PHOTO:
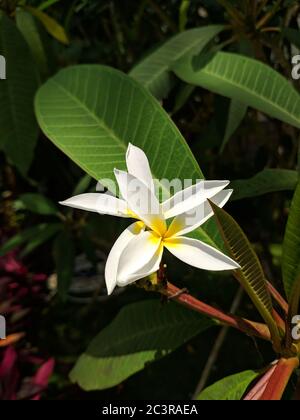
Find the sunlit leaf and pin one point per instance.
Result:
(231, 388)
(50, 24)
(251, 274)
(92, 112)
(154, 71)
(141, 333)
(246, 80)
(267, 181)
(46, 4)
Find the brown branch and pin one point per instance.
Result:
(268, 16)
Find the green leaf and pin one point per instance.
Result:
(18, 127)
(237, 112)
(46, 4)
(267, 181)
(92, 112)
(183, 14)
(50, 24)
(141, 333)
(231, 388)
(251, 274)
(41, 237)
(22, 237)
(64, 257)
(35, 37)
(154, 71)
(291, 246)
(38, 203)
(246, 80)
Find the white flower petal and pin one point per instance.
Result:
(136, 255)
(112, 264)
(151, 267)
(99, 203)
(199, 255)
(191, 220)
(141, 201)
(191, 197)
(138, 165)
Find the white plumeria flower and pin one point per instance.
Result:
(138, 252)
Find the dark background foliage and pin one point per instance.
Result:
(119, 34)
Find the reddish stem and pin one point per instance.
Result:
(278, 298)
(259, 388)
(249, 327)
(279, 379)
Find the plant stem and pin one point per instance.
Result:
(279, 379)
(268, 16)
(237, 17)
(258, 389)
(278, 298)
(271, 29)
(241, 324)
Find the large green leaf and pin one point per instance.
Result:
(18, 127)
(251, 274)
(267, 181)
(246, 80)
(231, 388)
(92, 112)
(291, 246)
(154, 71)
(141, 333)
